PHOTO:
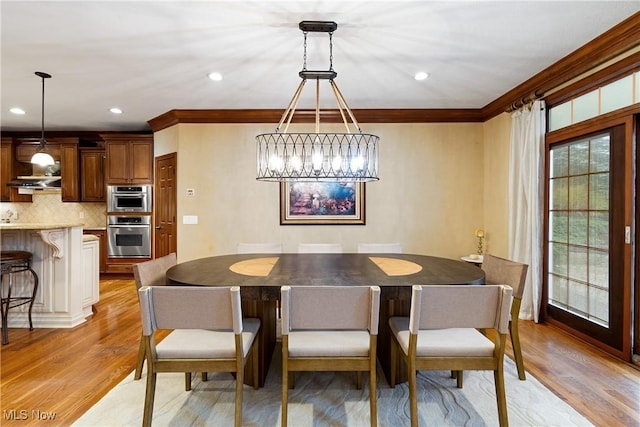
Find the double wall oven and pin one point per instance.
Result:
(129, 221)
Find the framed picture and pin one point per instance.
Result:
(322, 203)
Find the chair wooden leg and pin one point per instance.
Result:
(255, 362)
(359, 380)
(459, 377)
(393, 364)
(140, 361)
(148, 398)
(285, 381)
(187, 381)
(373, 394)
(501, 398)
(239, 389)
(205, 377)
(517, 350)
(413, 394)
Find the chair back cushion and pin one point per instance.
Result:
(320, 248)
(153, 272)
(190, 307)
(259, 248)
(460, 306)
(330, 308)
(500, 271)
(379, 248)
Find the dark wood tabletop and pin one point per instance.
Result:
(347, 269)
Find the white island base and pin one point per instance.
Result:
(68, 280)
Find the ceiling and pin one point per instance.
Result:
(150, 57)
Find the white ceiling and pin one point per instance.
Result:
(149, 57)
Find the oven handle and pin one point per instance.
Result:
(130, 226)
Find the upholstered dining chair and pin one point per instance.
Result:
(441, 333)
(503, 271)
(329, 328)
(209, 335)
(151, 273)
(320, 248)
(379, 248)
(259, 248)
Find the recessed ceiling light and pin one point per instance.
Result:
(115, 110)
(216, 77)
(17, 110)
(421, 76)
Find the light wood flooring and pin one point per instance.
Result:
(61, 373)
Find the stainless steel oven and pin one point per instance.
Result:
(129, 236)
(122, 198)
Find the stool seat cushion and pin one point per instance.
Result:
(8, 256)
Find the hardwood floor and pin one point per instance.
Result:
(52, 376)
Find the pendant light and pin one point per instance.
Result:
(351, 156)
(41, 157)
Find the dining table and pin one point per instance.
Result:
(260, 277)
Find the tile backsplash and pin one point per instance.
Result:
(47, 208)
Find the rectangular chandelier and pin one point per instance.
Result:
(351, 156)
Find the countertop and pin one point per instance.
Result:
(38, 225)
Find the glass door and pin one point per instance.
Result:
(584, 252)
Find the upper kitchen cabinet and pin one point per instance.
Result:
(129, 159)
(92, 183)
(69, 170)
(62, 149)
(10, 168)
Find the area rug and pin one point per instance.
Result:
(331, 399)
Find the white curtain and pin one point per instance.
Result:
(526, 207)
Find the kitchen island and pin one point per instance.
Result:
(64, 262)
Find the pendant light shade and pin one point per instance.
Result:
(350, 156)
(41, 157)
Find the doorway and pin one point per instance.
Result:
(166, 240)
(588, 260)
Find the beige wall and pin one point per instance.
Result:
(431, 195)
(497, 133)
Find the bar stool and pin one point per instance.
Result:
(13, 262)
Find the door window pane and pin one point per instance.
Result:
(578, 270)
(579, 158)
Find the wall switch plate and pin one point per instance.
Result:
(189, 219)
(191, 192)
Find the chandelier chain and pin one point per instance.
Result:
(331, 51)
(304, 62)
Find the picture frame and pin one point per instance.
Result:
(322, 203)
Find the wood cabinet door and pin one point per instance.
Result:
(5, 172)
(92, 183)
(70, 172)
(117, 162)
(9, 169)
(141, 166)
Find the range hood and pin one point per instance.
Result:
(31, 183)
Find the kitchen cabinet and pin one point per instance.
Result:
(69, 171)
(9, 169)
(92, 180)
(129, 159)
(90, 273)
(62, 149)
(27, 148)
(102, 243)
